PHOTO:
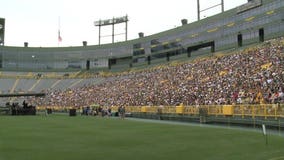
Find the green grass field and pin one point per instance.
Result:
(75, 138)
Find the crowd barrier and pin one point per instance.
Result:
(244, 111)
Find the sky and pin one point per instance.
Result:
(38, 21)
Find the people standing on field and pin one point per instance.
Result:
(121, 112)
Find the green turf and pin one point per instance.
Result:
(83, 138)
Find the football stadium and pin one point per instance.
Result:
(210, 89)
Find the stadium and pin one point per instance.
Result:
(211, 89)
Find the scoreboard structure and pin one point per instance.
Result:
(2, 30)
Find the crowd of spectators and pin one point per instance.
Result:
(254, 75)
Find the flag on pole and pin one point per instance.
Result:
(263, 129)
(59, 36)
(265, 134)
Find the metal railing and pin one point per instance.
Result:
(244, 110)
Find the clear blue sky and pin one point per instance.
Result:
(37, 21)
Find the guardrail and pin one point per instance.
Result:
(244, 111)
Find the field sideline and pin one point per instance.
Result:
(72, 138)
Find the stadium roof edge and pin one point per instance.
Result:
(172, 31)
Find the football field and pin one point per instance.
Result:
(74, 138)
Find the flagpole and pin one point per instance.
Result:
(58, 31)
(265, 134)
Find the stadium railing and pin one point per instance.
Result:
(240, 110)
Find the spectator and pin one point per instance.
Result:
(254, 75)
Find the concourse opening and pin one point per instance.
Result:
(240, 40)
(261, 35)
(204, 48)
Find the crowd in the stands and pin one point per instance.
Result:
(254, 75)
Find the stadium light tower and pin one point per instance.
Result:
(112, 22)
(199, 11)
